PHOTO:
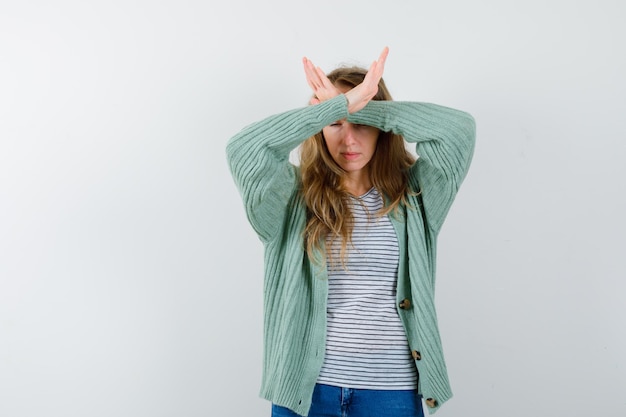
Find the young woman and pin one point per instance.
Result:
(350, 244)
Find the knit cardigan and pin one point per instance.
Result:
(295, 289)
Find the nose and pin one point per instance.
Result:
(349, 134)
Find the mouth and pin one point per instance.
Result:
(350, 155)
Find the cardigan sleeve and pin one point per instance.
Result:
(444, 139)
(258, 158)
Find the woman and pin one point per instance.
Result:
(350, 244)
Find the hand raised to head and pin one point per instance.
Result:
(358, 97)
(322, 88)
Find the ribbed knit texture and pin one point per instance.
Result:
(295, 290)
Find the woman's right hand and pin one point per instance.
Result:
(322, 88)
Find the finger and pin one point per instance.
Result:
(383, 56)
(323, 78)
(375, 72)
(317, 76)
(308, 69)
(373, 75)
(380, 63)
(380, 67)
(311, 75)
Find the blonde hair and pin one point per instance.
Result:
(328, 211)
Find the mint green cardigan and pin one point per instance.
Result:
(295, 289)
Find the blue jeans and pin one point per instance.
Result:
(329, 401)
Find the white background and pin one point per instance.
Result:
(130, 280)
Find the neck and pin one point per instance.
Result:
(356, 184)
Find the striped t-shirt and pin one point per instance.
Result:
(366, 346)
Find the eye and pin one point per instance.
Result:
(336, 124)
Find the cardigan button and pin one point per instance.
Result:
(405, 304)
(431, 402)
(416, 355)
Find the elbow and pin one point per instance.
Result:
(232, 147)
(468, 134)
(470, 128)
(235, 153)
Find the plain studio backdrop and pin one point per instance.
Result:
(130, 280)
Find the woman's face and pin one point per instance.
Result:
(351, 146)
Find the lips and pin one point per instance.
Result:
(350, 155)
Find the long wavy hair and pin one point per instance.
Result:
(328, 210)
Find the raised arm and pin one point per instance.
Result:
(258, 157)
(444, 140)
